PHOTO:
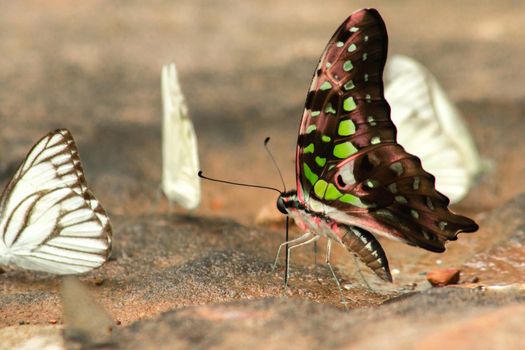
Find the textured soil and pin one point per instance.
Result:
(203, 279)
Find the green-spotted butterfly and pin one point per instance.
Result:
(353, 179)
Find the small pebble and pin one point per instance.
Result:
(443, 277)
(217, 203)
(395, 271)
(98, 281)
(52, 321)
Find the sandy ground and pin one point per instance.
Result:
(94, 68)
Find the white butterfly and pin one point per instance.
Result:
(49, 220)
(430, 126)
(180, 159)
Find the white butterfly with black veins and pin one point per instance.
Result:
(180, 159)
(49, 220)
(429, 126)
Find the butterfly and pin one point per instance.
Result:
(354, 180)
(49, 219)
(431, 127)
(180, 159)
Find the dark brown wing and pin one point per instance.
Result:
(348, 162)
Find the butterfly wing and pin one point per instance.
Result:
(50, 221)
(349, 165)
(180, 159)
(431, 127)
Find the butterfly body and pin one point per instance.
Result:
(49, 220)
(308, 220)
(353, 179)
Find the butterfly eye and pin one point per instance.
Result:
(281, 206)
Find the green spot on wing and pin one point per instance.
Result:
(351, 199)
(311, 128)
(349, 104)
(320, 161)
(347, 66)
(339, 44)
(401, 199)
(352, 48)
(309, 149)
(325, 86)
(330, 109)
(309, 174)
(415, 184)
(344, 150)
(315, 113)
(371, 183)
(326, 138)
(346, 128)
(375, 140)
(349, 85)
(320, 188)
(332, 193)
(397, 167)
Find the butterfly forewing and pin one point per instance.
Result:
(180, 159)
(50, 221)
(345, 110)
(349, 165)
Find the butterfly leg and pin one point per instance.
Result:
(315, 258)
(293, 241)
(328, 254)
(313, 239)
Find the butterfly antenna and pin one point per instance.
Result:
(266, 140)
(237, 183)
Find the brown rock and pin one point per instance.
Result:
(443, 277)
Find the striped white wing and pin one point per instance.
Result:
(49, 220)
(180, 159)
(429, 126)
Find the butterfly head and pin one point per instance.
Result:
(287, 200)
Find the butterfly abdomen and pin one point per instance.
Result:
(367, 249)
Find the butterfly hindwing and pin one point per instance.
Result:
(349, 165)
(50, 221)
(398, 198)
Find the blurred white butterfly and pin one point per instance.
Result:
(429, 126)
(49, 220)
(180, 159)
